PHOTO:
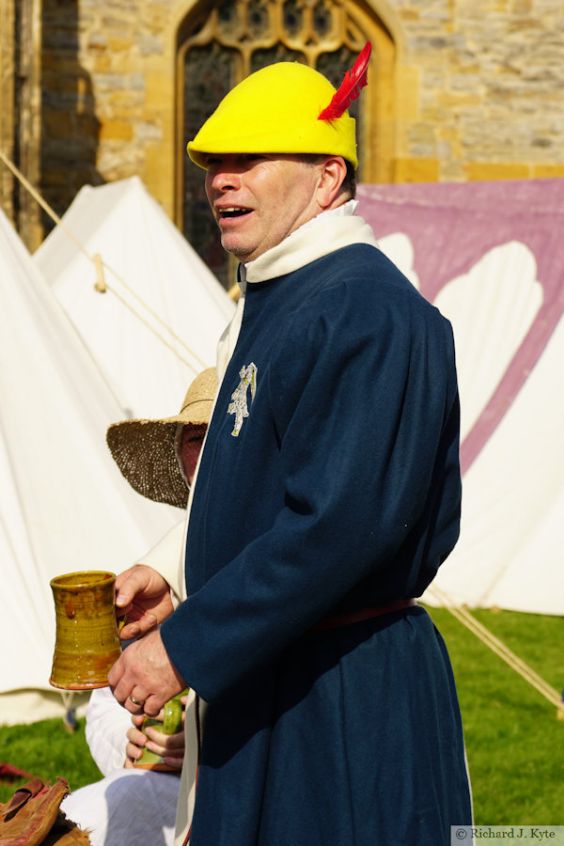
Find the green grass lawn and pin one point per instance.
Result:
(46, 749)
(515, 743)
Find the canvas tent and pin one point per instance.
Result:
(490, 256)
(64, 506)
(151, 270)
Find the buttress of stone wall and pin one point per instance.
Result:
(7, 48)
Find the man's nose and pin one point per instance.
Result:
(225, 180)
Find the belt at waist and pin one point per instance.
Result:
(338, 620)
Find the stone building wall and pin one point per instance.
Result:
(476, 92)
(479, 88)
(489, 99)
(108, 94)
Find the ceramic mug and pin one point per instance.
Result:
(171, 724)
(87, 641)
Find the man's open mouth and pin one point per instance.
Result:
(233, 211)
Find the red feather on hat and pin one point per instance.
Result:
(353, 82)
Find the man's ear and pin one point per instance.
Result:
(332, 173)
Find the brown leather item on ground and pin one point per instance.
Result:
(32, 817)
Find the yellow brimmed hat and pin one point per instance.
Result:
(279, 109)
(145, 450)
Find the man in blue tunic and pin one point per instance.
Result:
(328, 494)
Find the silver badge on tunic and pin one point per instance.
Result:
(239, 405)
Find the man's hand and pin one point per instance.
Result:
(169, 746)
(136, 741)
(143, 678)
(144, 597)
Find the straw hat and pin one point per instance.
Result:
(145, 450)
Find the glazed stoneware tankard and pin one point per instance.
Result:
(87, 640)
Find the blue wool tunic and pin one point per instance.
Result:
(329, 482)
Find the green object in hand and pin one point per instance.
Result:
(171, 724)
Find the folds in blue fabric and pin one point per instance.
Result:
(353, 739)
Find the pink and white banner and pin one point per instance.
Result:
(490, 256)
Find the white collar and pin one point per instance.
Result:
(329, 231)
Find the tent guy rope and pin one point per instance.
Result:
(102, 285)
(500, 649)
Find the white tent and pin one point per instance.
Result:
(490, 256)
(64, 506)
(512, 537)
(143, 253)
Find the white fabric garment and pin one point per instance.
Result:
(341, 227)
(128, 807)
(106, 725)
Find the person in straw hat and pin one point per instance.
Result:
(327, 496)
(158, 458)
